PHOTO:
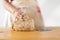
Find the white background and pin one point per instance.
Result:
(50, 11)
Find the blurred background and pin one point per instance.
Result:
(50, 10)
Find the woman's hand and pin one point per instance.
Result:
(11, 8)
(18, 12)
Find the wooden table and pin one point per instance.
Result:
(53, 34)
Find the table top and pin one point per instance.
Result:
(53, 34)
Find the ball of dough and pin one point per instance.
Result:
(24, 23)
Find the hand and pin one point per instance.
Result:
(18, 12)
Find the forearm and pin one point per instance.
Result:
(9, 6)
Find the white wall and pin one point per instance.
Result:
(3, 15)
(50, 11)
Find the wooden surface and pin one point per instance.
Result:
(53, 34)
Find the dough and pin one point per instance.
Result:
(23, 23)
